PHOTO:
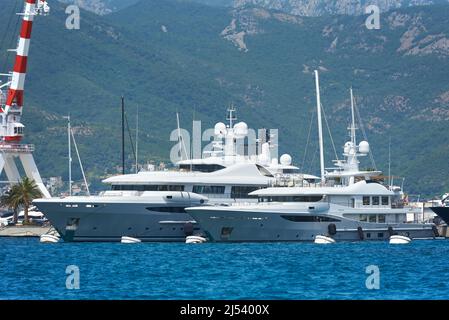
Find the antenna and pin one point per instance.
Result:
(69, 130)
(320, 127)
(389, 163)
(353, 140)
(137, 139)
(123, 135)
(231, 116)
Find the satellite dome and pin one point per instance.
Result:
(220, 129)
(286, 159)
(364, 147)
(241, 129)
(347, 147)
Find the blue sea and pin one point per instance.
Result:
(31, 270)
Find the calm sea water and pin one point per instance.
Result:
(31, 270)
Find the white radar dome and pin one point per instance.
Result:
(347, 147)
(286, 159)
(364, 147)
(241, 129)
(220, 129)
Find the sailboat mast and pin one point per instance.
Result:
(69, 130)
(137, 140)
(320, 127)
(123, 135)
(353, 140)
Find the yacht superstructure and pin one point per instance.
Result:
(347, 204)
(150, 205)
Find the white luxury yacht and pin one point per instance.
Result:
(347, 204)
(150, 205)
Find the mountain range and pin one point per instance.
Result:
(296, 7)
(168, 56)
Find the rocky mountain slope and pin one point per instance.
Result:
(168, 56)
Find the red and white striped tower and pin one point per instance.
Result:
(12, 129)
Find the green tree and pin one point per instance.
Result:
(22, 194)
(10, 201)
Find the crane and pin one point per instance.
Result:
(11, 111)
(11, 104)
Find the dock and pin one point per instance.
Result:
(23, 231)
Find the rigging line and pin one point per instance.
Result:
(308, 141)
(81, 164)
(329, 131)
(2, 43)
(130, 137)
(313, 159)
(362, 127)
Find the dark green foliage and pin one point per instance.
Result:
(192, 69)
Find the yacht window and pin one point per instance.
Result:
(372, 218)
(310, 219)
(167, 209)
(241, 192)
(363, 218)
(290, 171)
(208, 189)
(291, 199)
(381, 218)
(264, 171)
(366, 201)
(385, 201)
(352, 203)
(380, 235)
(375, 201)
(125, 187)
(201, 167)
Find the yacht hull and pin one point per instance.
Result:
(102, 220)
(442, 212)
(252, 226)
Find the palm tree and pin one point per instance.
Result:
(10, 200)
(22, 194)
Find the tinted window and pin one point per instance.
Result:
(209, 189)
(385, 201)
(366, 201)
(291, 199)
(201, 167)
(242, 192)
(375, 201)
(167, 209)
(126, 187)
(310, 219)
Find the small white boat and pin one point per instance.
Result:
(396, 239)
(126, 239)
(319, 239)
(195, 239)
(49, 238)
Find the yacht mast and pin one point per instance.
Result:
(123, 135)
(320, 127)
(137, 140)
(353, 140)
(69, 130)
